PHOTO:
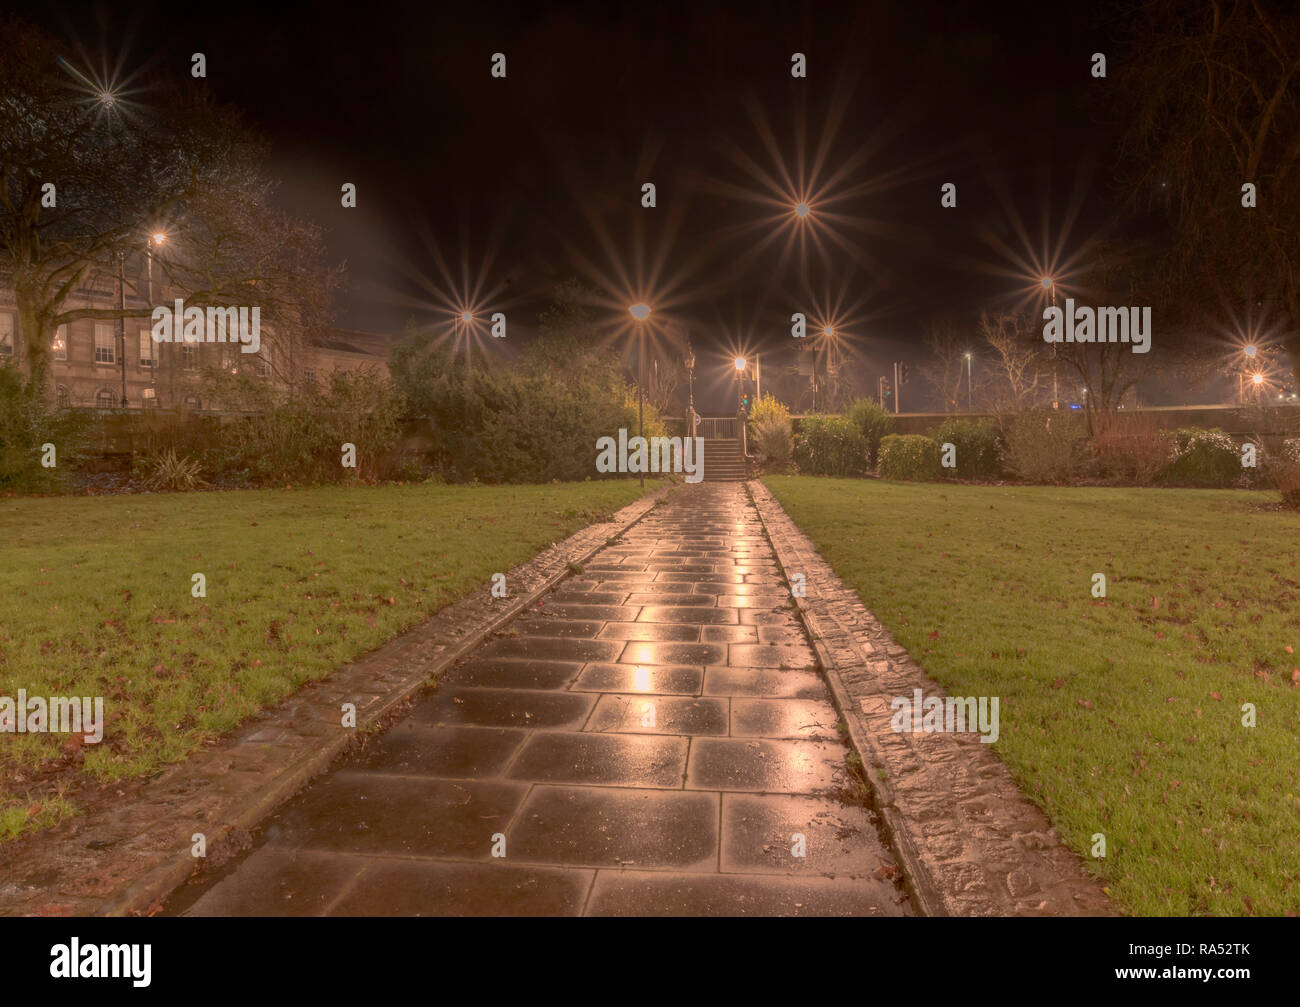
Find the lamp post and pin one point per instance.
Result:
(121, 321)
(968, 382)
(640, 312)
(1250, 351)
(740, 404)
(690, 386)
(1050, 284)
(466, 327)
(157, 238)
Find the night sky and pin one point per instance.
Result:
(601, 98)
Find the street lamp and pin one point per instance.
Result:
(740, 364)
(1250, 351)
(802, 209)
(1050, 284)
(640, 312)
(155, 239)
(690, 386)
(968, 382)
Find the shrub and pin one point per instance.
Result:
(532, 421)
(170, 471)
(909, 456)
(976, 442)
(300, 439)
(1203, 458)
(1288, 484)
(1130, 446)
(771, 433)
(1285, 456)
(1044, 446)
(830, 446)
(27, 423)
(874, 423)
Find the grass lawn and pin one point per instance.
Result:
(95, 600)
(1120, 715)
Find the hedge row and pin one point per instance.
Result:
(1039, 447)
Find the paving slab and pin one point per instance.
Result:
(609, 759)
(643, 714)
(625, 678)
(664, 894)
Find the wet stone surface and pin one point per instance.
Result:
(653, 738)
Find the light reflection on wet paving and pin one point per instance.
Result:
(652, 739)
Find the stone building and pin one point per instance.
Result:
(96, 363)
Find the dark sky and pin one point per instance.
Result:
(600, 98)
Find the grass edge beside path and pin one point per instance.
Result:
(1123, 715)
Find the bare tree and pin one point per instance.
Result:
(1211, 106)
(943, 369)
(1108, 371)
(1017, 369)
(85, 177)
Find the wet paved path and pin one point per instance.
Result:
(653, 739)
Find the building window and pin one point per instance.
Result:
(60, 344)
(104, 399)
(61, 397)
(104, 350)
(309, 375)
(192, 402)
(146, 348)
(190, 358)
(6, 334)
(148, 397)
(262, 369)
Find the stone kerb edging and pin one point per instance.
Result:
(970, 843)
(141, 846)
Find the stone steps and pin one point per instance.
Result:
(723, 461)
